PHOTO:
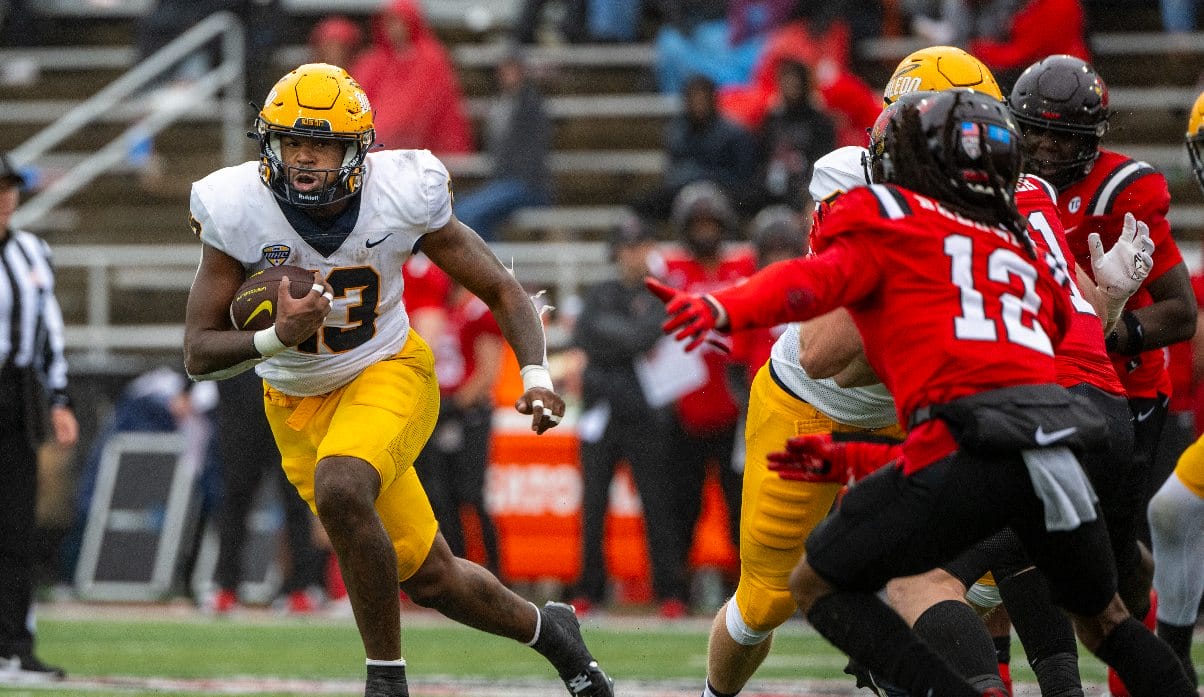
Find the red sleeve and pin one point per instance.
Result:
(1197, 286)
(426, 285)
(801, 288)
(1149, 199)
(863, 459)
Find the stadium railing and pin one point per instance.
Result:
(560, 267)
(227, 77)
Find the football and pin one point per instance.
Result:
(254, 304)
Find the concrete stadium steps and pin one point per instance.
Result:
(127, 306)
(127, 222)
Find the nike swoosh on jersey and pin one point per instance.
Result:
(265, 306)
(1143, 415)
(370, 243)
(1044, 438)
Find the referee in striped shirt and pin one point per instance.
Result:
(33, 382)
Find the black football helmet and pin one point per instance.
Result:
(1061, 105)
(961, 148)
(877, 145)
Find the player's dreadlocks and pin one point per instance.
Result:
(925, 162)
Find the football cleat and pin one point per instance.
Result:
(590, 680)
(863, 676)
(28, 669)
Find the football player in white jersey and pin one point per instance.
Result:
(349, 387)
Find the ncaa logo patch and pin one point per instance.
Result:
(276, 254)
(1074, 204)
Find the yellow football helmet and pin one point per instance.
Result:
(315, 101)
(938, 68)
(1195, 138)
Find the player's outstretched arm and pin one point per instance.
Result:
(460, 252)
(213, 349)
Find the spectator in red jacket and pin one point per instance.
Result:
(1037, 29)
(335, 40)
(412, 85)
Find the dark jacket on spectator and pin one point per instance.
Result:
(617, 324)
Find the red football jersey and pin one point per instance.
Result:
(426, 285)
(1081, 357)
(468, 318)
(711, 407)
(1117, 185)
(946, 307)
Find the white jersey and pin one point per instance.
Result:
(405, 195)
(865, 407)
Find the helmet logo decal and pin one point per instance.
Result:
(1074, 204)
(312, 124)
(276, 254)
(903, 85)
(362, 98)
(970, 137)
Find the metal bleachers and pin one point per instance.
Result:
(609, 124)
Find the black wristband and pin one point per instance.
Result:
(1135, 341)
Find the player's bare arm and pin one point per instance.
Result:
(857, 373)
(466, 258)
(211, 344)
(1170, 319)
(828, 344)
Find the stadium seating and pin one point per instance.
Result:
(609, 122)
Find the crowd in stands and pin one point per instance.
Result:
(766, 88)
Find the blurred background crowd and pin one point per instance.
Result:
(593, 142)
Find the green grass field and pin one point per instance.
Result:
(111, 651)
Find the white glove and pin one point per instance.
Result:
(1121, 270)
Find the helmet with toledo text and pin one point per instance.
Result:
(961, 148)
(1061, 105)
(319, 101)
(1195, 138)
(939, 68)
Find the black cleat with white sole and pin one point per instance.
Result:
(560, 641)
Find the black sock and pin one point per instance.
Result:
(957, 633)
(1003, 649)
(872, 634)
(386, 681)
(1179, 639)
(1147, 666)
(560, 641)
(1045, 632)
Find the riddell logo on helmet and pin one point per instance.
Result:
(312, 123)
